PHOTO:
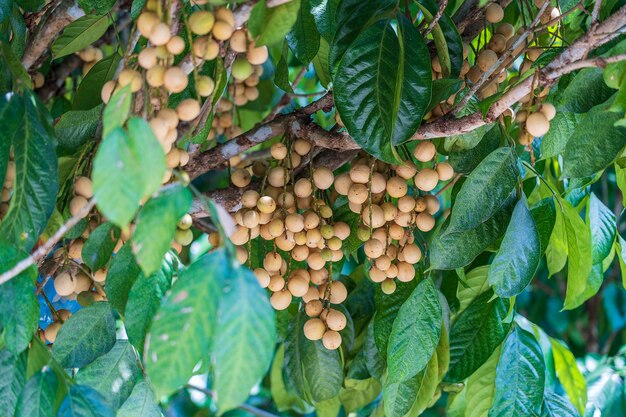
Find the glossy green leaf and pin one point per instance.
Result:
(413, 395)
(141, 403)
(518, 258)
(244, 340)
(143, 302)
(578, 255)
(80, 33)
(359, 393)
(324, 12)
(320, 64)
(156, 225)
(77, 127)
(562, 128)
(415, 333)
(450, 43)
(465, 161)
(383, 87)
(602, 223)
(13, 369)
(184, 325)
(544, 215)
(481, 387)
(520, 377)
(121, 275)
(484, 191)
(99, 246)
(557, 406)
(472, 284)
(595, 144)
(127, 167)
(556, 252)
(39, 395)
(570, 377)
(113, 374)
(605, 391)
(87, 95)
(351, 18)
(36, 180)
(475, 335)
(586, 90)
(451, 250)
(283, 397)
(117, 110)
(85, 336)
(387, 308)
(96, 6)
(83, 401)
(620, 249)
(303, 38)
(270, 25)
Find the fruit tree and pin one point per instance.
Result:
(392, 208)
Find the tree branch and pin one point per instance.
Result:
(43, 250)
(431, 25)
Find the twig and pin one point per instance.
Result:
(599, 62)
(595, 14)
(43, 250)
(431, 25)
(246, 407)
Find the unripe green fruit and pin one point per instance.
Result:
(185, 222)
(184, 237)
(201, 22)
(388, 286)
(241, 69)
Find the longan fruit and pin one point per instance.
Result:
(64, 284)
(147, 58)
(383, 262)
(175, 45)
(132, 77)
(424, 151)
(406, 204)
(406, 272)
(374, 248)
(303, 188)
(360, 174)
(277, 177)
(335, 320)
(241, 69)
(343, 183)
(226, 15)
(375, 213)
(426, 179)
(313, 308)
(205, 48)
(323, 178)
(314, 329)
(397, 187)
(83, 187)
(175, 80)
(185, 222)
(341, 230)
(272, 262)
(201, 22)
(378, 183)
(411, 253)
(474, 74)
(486, 59)
(249, 198)
(184, 237)
(497, 43)
(425, 222)
(301, 147)
(155, 76)
(240, 177)
(222, 31)
(537, 124)
(51, 331)
(188, 109)
(294, 222)
(239, 41)
(406, 170)
(277, 283)
(388, 286)
(298, 286)
(432, 204)
(205, 85)
(376, 275)
(160, 34)
(146, 22)
(300, 253)
(257, 55)
(548, 110)
(281, 300)
(107, 90)
(100, 275)
(506, 29)
(494, 13)
(76, 205)
(262, 276)
(445, 171)
(357, 194)
(315, 261)
(278, 151)
(331, 340)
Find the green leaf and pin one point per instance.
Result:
(466, 160)
(141, 403)
(117, 110)
(562, 128)
(391, 77)
(473, 284)
(602, 223)
(595, 144)
(412, 395)
(605, 391)
(8, 111)
(13, 370)
(520, 377)
(143, 302)
(83, 401)
(451, 250)
(80, 33)
(485, 190)
(122, 274)
(85, 336)
(387, 308)
(270, 25)
(556, 252)
(36, 181)
(517, 260)
(620, 249)
(557, 406)
(96, 6)
(303, 38)
(127, 168)
(578, 255)
(87, 95)
(244, 339)
(476, 334)
(113, 374)
(359, 393)
(77, 127)
(324, 12)
(99, 246)
(283, 397)
(570, 377)
(481, 387)
(39, 395)
(415, 333)
(314, 372)
(585, 90)
(156, 225)
(447, 40)
(183, 328)
(351, 18)
(281, 72)
(320, 63)
(544, 215)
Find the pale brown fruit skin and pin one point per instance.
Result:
(335, 320)
(424, 151)
(426, 179)
(188, 109)
(486, 58)
(548, 110)
(494, 13)
(51, 331)
(323, 178)
(201, 22)
(222, 31)
(338, 292)
(83, 187)
(331, 340)
(76, 205)
(397, 187)
(257, 55)
(175, 80)
(146, 22)
(314, 307)
(107, 91)
(281, 300)
(160, 34)
(537, 124)
(298, 286)
(314, 329)
(64, 284)
(445, 171)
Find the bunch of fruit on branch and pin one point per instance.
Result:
(7, 187)
(287, 205)
(503, 41)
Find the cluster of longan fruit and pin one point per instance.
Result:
(535, 123)
(90, 56)
(394, 204)
(7, 187)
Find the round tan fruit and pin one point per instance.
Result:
(537, 124)
(175, 80)
(314, 329)
(426, 179)
(188, 109)
(83, 187)
(257, 55)
(331, 340)
(313, 308)
(388, 286)
(52, 330)
(222, 31)
(201, 22)
(548, 110)
(445, 171)
(494, 13)
(424, 151)
(281, 300)
(64, 284)
(323, 178)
